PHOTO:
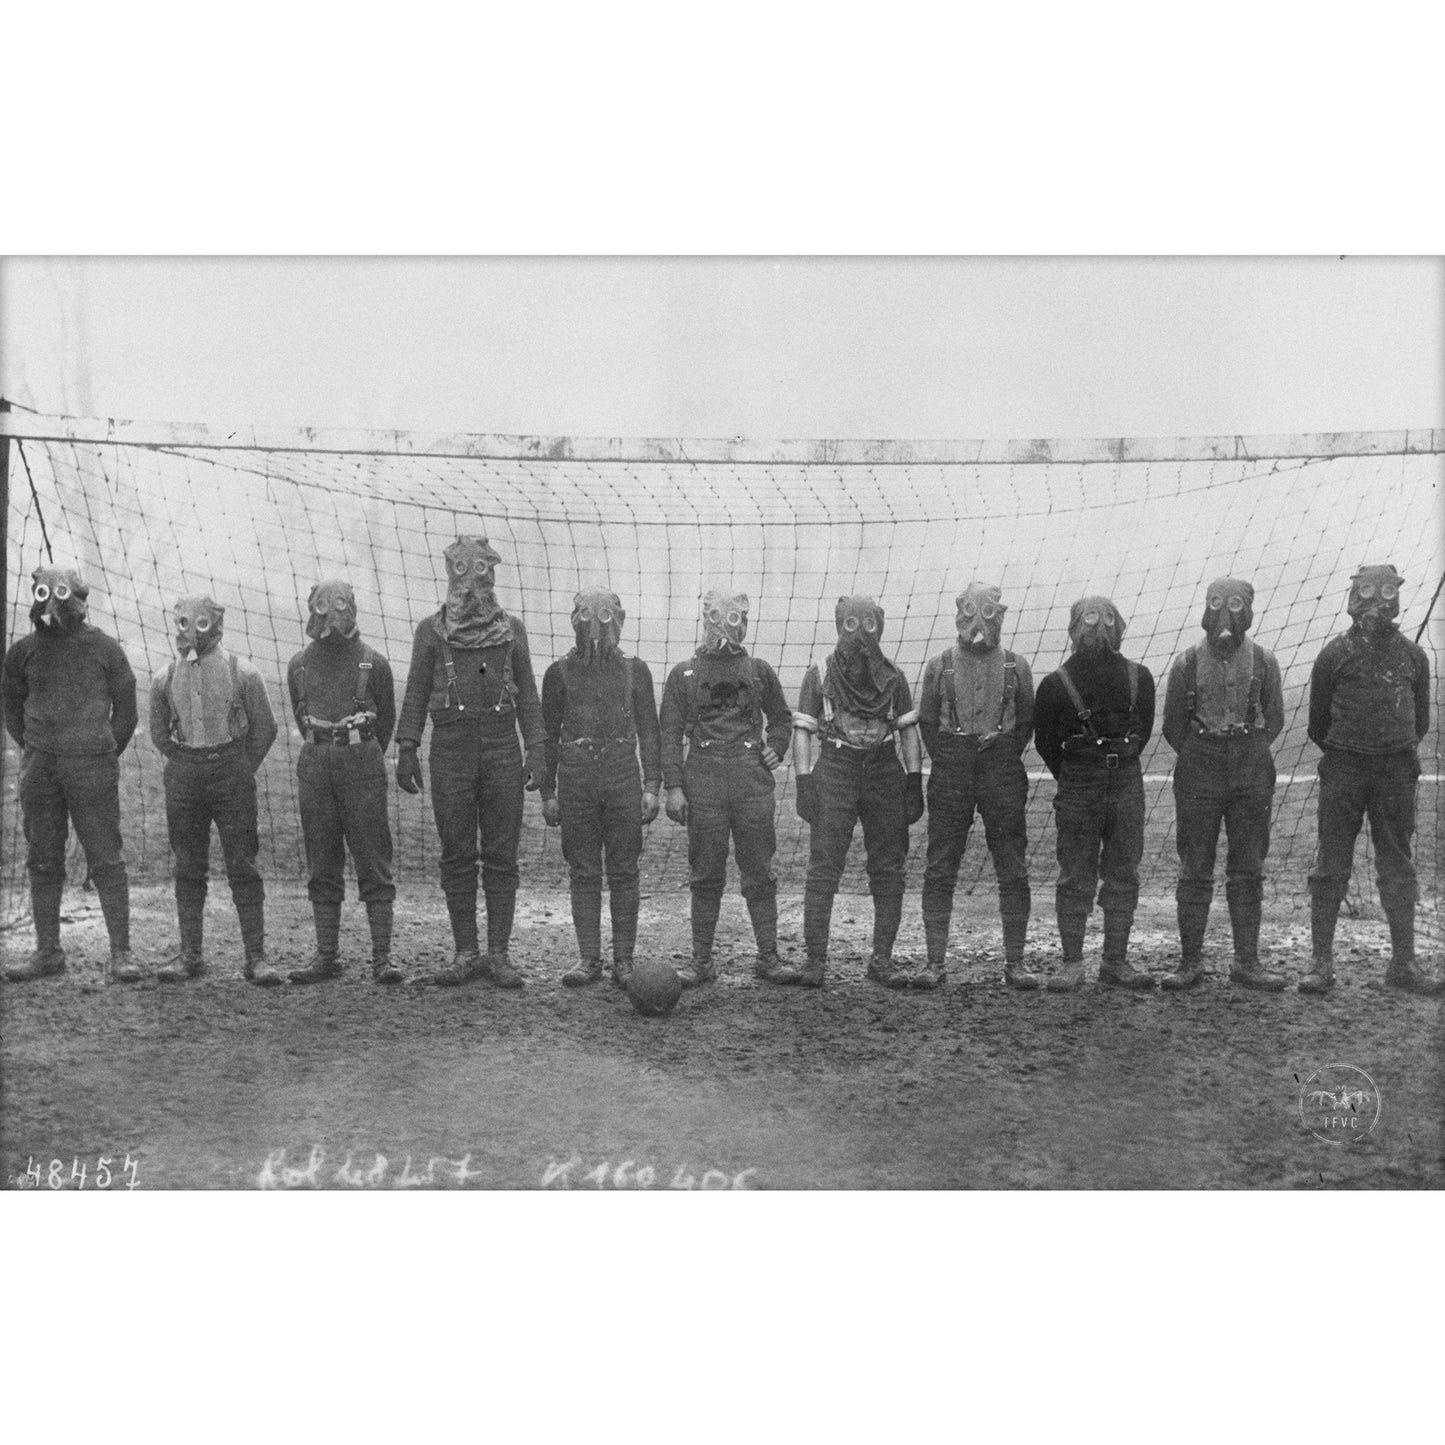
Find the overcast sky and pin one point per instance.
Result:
(765, 348)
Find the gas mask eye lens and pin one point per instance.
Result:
(605, 616)
(969, 609)
(1367, 590)
(1388, 591)
(584, 614)
(62, 592)
(1108, 619)
(714, 614)
(319, 607)
(1236, 604)
(460, 566)
(1091, 619)
(182, 621)
(869, 625)
(850, 624)
(735, 618)
(1215, 603)
(988, 612)
(42, 592)
(203, 624)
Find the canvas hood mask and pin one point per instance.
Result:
(724, 621)
(57, 599)
(1375, 598)
(1228, 612)
(980, 617)
(332, 609)
(597, 618)
(199, 622)
(860, 679)
(1095, 625)
(472, 616)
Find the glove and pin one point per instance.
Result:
(649, 808)
(770, 759)
(805, 798)
(913, 797)
(551, 812)
(531, 766)
(677, 805)
(408, 768)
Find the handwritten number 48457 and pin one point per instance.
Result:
(37, 1176)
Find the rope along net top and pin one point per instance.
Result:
(153, 513)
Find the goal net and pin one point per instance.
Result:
(152, 512)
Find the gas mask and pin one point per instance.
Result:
(980, 617)
(860, 627)
(332, 609)
(597, 618)
(57, 599)
(1228, 613)
(1375, 599)
(199, 622)
(724, 621)
(1095, 626)
(473, 616)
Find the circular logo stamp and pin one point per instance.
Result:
(1339, 1103)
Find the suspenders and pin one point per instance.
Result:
(1256, 688)
(505, 699)
(235, 711)
(1125, 748)
(1010, 689)
(690, 673)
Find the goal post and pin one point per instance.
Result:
(151, 511)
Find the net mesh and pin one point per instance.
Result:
(148, 523)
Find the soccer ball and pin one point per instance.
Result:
(654, 987)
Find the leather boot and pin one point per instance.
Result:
(326, 962)
(380, 916)
(702, 969)
(817, 922)
(257, 970)
(1245, 912)
(123, 967)
(587, 925)
(48, 958)
(935, 943)
(887, 915)
(1193, 921)
(1070, 973)
(1115, 968)
(763, 912)
(114, 898)
(188, 961)
(1402, 972)
(497, 965)
(1324, 913)
(1016, 972)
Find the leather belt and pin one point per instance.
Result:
(340, 737)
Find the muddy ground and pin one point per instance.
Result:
(750, 1085)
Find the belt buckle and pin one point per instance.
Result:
(1111, 760)
(342, 737)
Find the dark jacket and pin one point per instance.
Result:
(724, 697)
(593, 701)
(478, 693)
(333, 684)
(1103, 682)
(71, 693)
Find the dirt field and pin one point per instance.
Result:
(748, 1085)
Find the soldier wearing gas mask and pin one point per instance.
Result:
(1369, 710)
(344, 703)
(1223, 707)
(70, 707)
(1092, 718)
(976, 714)
(471, 671)
(212, 721)
(729, 709)
(598, 712)
(853, 714)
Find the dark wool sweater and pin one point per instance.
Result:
(1369, 696)
(325, 681)
(1103, 682)
(71, 692)
(735, 696)
(592, 700)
